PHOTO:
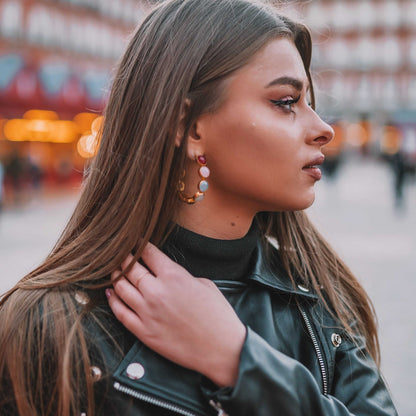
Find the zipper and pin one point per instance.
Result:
(217, 406)
(318, 351)
(152, 400)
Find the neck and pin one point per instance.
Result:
(216, 219)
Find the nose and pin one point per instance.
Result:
(321, 133)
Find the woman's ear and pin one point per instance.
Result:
(182, 122)
(193, 140)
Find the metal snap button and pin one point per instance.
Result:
(303, 288)
(82, 298)
(135, 371)
(96, 373)
(336, 340)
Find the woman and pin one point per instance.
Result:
(213, 319)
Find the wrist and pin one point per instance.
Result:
(224, 367)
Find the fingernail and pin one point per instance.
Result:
(108, 293)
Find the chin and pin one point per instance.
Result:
(291, 206)
(301, 204)
(293, 201)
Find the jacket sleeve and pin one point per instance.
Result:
(271, 383)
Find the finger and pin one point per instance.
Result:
(156, 260)
(129, 294)
(138, 274)
(127, 261)
(116, 275)
(126, 316)
(135, 275)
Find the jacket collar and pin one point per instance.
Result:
(275, 277)
(213, 259)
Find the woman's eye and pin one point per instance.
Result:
(286, 103)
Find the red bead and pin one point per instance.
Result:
(202, 160)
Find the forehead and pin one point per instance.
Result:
(278, 58)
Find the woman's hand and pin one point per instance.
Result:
(183, 318)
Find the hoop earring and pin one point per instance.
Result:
(202, 186)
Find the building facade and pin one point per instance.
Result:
(56, 61)
(365, 57)
(58, 56)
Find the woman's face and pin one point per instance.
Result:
(264, 139)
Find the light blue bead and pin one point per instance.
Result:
(203, 186)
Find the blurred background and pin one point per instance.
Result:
(56, 62)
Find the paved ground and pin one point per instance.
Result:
(355, 213)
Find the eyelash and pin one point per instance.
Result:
(286, 104)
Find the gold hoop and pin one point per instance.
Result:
(204, 173)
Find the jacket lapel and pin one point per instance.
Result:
(275, 277)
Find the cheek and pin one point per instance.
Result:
(250, 154)
(256, 157)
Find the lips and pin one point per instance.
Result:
(312, 167)
(315, 162)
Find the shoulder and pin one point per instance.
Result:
(56, 334)
(58, 316)
(108, 340)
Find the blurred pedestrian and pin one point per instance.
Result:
(399, 147)
(36, 174)
(213, 316)
(398, 162)
(15, 171)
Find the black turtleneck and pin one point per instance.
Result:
(212, 258)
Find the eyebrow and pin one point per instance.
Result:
(294, 82)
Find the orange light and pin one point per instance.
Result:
(55, 131)
(2, 124)
(40, 115)
(84, 121)
(87, 146)
(356, 135)
(391, 140)
(45, 126)
(97, 125)
(334, 147)
(64, 131)
(15, 130)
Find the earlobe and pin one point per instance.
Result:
(195, 144)
(192, 142)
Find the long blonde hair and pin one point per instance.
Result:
(184, 49)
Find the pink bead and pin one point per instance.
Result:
(204, 171)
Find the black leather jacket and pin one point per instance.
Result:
(295, 361)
